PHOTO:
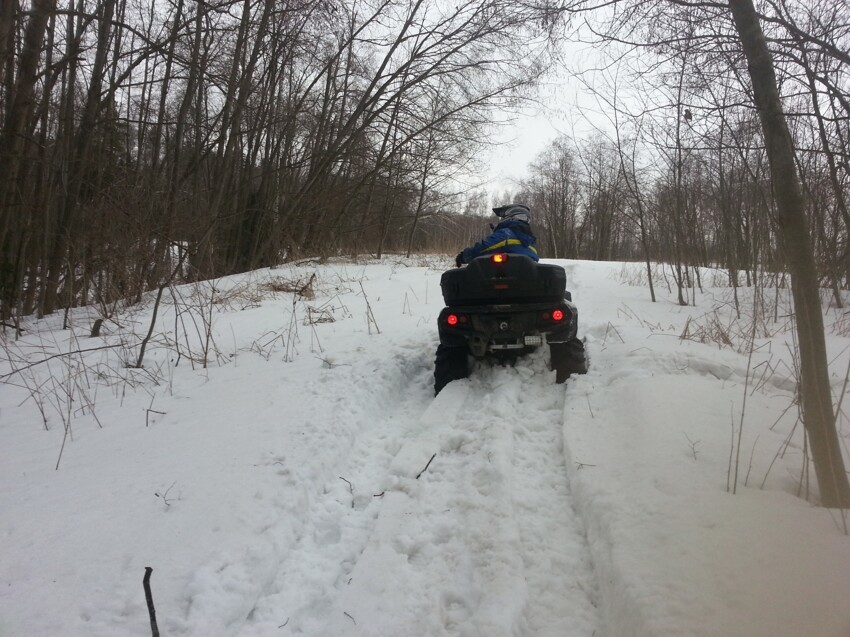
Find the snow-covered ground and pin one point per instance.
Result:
(306, 481)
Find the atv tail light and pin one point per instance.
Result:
(452, 319)
(500, 258)
(557, 315)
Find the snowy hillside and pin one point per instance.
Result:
(305, 481)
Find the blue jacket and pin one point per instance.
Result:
(509, 236)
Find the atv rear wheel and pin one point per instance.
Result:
(567, 359)
(451, 364)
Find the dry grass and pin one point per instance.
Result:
(302, 286)
(711, 328)
(838, 323)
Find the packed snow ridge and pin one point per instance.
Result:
(281, 463)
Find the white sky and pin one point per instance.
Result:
(563, 106)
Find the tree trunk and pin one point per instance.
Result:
(20, 105)
(793, 230)
(79, 162)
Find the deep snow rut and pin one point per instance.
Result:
(517, 415)
(484, 541)
(556, 558)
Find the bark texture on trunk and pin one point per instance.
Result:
(815, 394)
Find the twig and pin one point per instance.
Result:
(148, 412)
(144, 344)
(750, 466)
(146, 583)
(426, 466)
(305, 289)
(693, 445)
(164, 496)
(59, 355)
(350, 490)
(731, 448)
(744, 404)
(349, 617)
(62, 448)
(616, 331)
(370, 316)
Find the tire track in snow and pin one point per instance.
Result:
(487, 541)
(336, 518)
(526, 412)
(555, 552)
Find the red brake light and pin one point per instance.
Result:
(500, 258)
(557, 315)
(451, 319)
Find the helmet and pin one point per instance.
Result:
(514, 211)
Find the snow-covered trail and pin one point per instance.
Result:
(275, 491)
(484, 541)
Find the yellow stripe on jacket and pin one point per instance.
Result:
(509, 242)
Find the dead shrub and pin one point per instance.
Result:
(302, 287)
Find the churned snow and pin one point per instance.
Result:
(307, 482)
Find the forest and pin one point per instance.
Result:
(146, 142)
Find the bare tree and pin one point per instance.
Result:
(816, 397)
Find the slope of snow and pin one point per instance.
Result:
(305, 481)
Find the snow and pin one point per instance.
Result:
(307, 482)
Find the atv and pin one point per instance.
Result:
(502, 306)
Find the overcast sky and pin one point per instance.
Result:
(563, 106)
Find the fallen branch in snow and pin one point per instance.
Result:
(582, 465)
(164, 496)
(146, 583)
(350, 489)
(149, 412)
(349, 617)
(329, 363)
(616, 331)
(426, 466)
(693, 445)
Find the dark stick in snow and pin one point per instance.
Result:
(149, 598)
(426, 466)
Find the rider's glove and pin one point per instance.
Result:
(459, 259)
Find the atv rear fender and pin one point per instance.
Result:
(515, 278)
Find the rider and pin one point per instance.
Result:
(512, 234)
